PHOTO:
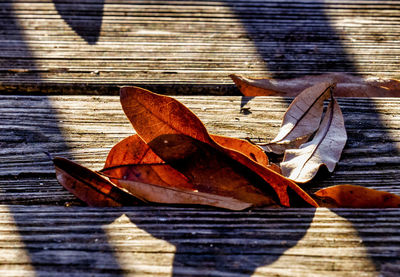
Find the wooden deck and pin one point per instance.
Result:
(189, 47)
(55, 240)
(88, 48)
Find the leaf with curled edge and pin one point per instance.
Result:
(134, 151)
(352, 196)
(173, 195)
(96, 190)
(347, 85)
(132, 165)
(132, 159)
(252, 151)
(89, 186)
(301, 119)
(302, 164)
(212, 171)
(131, 150)
(153, 115)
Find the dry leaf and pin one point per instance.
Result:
(131, 150)
(347, 85)
(275, 168)
(154, 116)
(301, 119)
(132, 159)
(89, 186)
(205, 173)
(351, 196)
(211, 171)
(172, 195)
(157, 174)
(302, 164)
(141, 173)
(96, 190)
(252, 151)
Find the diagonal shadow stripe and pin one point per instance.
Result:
(278, 64)
(83, 17)
(28, 131)
(293, 37)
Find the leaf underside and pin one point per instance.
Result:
(173, 195)
(301, 119)
(302, 164)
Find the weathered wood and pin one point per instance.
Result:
(188, 47)
(85, 128)
(164, 241)
(52, 46)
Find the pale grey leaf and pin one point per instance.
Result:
(301, 165)
(302, 118)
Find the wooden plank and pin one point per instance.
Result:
(85, 128)
(46, 44)
(165, 241)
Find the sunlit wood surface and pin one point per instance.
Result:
(92, 46)
(54, 240)
(51, 48)
(163, 241)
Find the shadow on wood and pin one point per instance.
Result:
(376, 233)
(28, 136)
(210, 241)
(84, 18)
(293, 38)
(215, 242)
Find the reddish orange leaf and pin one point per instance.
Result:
(134, 151)
(153, 181)
(154, 116)
(131, 150)
(347, 85)
(252, 151)
(351, 196)
(89, 186)
(275, 167)
(132, 159)
(211, 170)
(157, 174)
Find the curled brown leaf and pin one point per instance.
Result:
(302, 164)
(89, 186)
(155, 116)
(347, 85)
(301, 119)
(352, 196)
(252, 151)
(174, 195)
(131, 150)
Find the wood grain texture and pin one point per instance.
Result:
(188, 47)
(167, 241)
(42, 237)
(84, 128)
(53, 46)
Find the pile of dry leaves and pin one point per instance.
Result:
(172, 159)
